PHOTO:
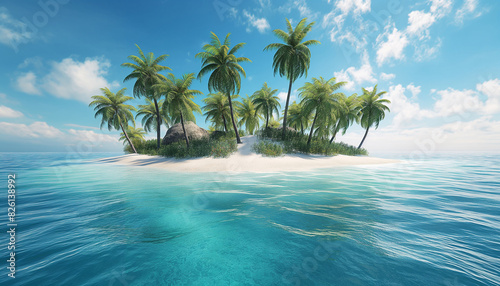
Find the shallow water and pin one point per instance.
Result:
(429, 222)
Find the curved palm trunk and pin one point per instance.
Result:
(286, 108)
(267, 120)
(184, 130)
(224, 120)
(335, 133)
(364, 137)
(238, 140)
(128, 139)
(312, 128)
(158, 124)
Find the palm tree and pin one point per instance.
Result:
(136, 135)
(266, 102)
(146, 73)
(319, 97)
(217, 109)
(372, 110)
(248, 113)
(224, 68)
(292, 59)
(179, 98)
(148, 113)
(113, 110)
(298, 117)
(346, 114)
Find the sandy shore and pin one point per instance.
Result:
(245, 160)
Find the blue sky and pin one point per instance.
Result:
(438, 60)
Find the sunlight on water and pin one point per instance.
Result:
(435, 222)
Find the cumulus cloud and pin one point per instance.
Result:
(391, 45)
(260, 24)
(387, 76)
(491, 89)
(91, 136)
(27, 83)
(71, 79)
(356, 77)
(37, 129)
(419, 23)
(7, 112)
(354, 6)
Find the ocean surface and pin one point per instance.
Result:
(433, 221)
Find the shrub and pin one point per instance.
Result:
(222, 146)
(268, 148)
(295, 142)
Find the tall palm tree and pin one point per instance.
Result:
(136, 135)
(372, 110)
(113, 110)
(217, 109)
(292, 59)
(248, 114)
(266, 102)
(179, 98)
(298, 117)
(146, 72)
(346, 114)
(224, 68)
(319, 97)
(148, 113)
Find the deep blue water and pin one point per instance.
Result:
(429, 222)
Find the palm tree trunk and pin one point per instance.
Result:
(335, 133)
(224, 120)
(184, 130)
(238, 140)
(267, 120)
(128, 139)
(302, 128)
(158, 124)
(312, 128)
(286, 108)
(364, 137)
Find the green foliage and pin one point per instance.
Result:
(149, 116)
(268, 148)
(266, 102)
(223, 146)
(295, 142)
(249, 117)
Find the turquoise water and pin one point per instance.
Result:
(429, 222)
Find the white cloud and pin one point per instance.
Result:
(468, 9)
(415, 90)
(419, 23)
(12, 31)
(260, 23)
(356, 77)
(441, 8)
(27, 83)
(387, 76)
(491, 89)
(355, 6)
(404, 109)
(71, 79)
(457, 102)
(392, 47)
(91, 136)
(37, 129)
(7, 112)
(282, 96)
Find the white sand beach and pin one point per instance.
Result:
(245, 160)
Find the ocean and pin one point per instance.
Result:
(433, 221)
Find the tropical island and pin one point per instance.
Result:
(307, 130)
